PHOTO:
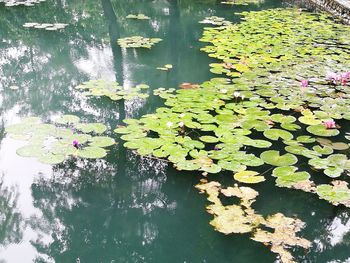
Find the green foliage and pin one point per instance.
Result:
(54, 143)
(112, 90)
(138, 42)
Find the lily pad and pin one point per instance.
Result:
(248, 177)
(274, 158)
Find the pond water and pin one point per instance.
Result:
(122, 208)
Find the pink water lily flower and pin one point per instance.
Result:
(330, 124)
(75, 143)
(346, 75)
(304, 83)
(334, 77)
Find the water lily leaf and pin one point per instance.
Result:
(309, 120)
(336, 194)
(209, 139)
(68, 119)
(232, 165)
(259, 143)
(188, 165)
(325, 150)
(92, 152)
(51, 158)
(31, 151)
(290, 126)
(97, 128)
(274, 158)
(340, 146)
(248, 177)
(191, 144)
(283, 118)
(101, 141)
(321, 130)
(275, 134)
(138, 42)
(333, 172)
(305, 139)
(213, 168)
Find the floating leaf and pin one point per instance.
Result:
(101, 141)
(92, 152)
(274, 158)
(248, 177)
(68, 119)
(275, 134)
(321, 130)
(337, 193)
(138, 42)
(51, 158)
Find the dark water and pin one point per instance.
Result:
(122, 208)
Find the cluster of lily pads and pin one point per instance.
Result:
(21, 3)
(46, 26)
(111, 89)
(138, 42)
(138, 16)
(53, 143)
(241, 2)
(216, 21)
(276, 108)
(242, 218)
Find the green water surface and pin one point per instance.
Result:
(122, 208)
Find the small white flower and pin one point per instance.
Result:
(169, 124)
(182, 115)
(236, 94)
(242, 97)
(223, 91)
(181, 124)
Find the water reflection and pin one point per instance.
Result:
(11, 220)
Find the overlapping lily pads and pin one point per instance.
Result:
(216, 21)
(54, 143)
(138, 42)
(112, 90)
